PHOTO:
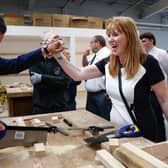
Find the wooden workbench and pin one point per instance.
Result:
(61, 151)
(19, 101)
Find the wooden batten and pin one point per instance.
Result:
(133, 157)
(159, 150)
(107, 159)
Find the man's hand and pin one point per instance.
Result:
(35, 78)
(84, 58)
(86, 52)
(52, 46)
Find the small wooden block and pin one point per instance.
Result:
(55, 119)
(114, 143)
(39, 148)
(105, 145)
(36, 122)
(107, 159)
(20, 121)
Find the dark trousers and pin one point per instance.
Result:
(160, 134)
(99, 104)
(40, 110)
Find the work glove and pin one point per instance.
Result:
(35, 78)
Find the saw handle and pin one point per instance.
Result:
(3, 129)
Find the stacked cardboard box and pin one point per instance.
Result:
(14, 19)
(86, 22)
(41, 19)
(59, 20)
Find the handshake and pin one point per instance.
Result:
(52, 45)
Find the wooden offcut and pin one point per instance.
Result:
(159, 150)
(107, 159)
(133, 157)
(39, 148)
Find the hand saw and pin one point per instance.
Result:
(94, 130)
(130, 130)
(25, 135)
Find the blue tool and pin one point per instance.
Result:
(3, 129)
(130, 130)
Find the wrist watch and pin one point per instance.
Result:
(46, 49)
(46, 52)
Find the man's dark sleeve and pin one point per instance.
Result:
(56, 81)
(20, 63)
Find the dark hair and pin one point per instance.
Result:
(3, 27)
(100, 39)
(148, 35)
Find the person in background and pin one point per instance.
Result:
(72, 88)
(50, 84)
(139, 74)
(97, 99)
(22, 62)
(149, 43)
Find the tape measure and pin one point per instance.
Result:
(3, 129)
(130, 130)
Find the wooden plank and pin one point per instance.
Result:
(107, 159)
(159, 150)
(83, 118)
(140, 142)
(133, 157)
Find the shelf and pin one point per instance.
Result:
(36, 31)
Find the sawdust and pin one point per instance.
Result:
(60, 149)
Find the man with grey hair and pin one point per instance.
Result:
(49, 85)
(98, 101)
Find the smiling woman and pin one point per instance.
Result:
(137, 72)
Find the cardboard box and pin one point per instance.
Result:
(95, 22)
(41, 19)
(59, 20)
(86, 22)
(14, 19)
(79, 21)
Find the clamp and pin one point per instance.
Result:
(130, 130)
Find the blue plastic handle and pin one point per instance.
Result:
(3, 132)
(130, 130)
